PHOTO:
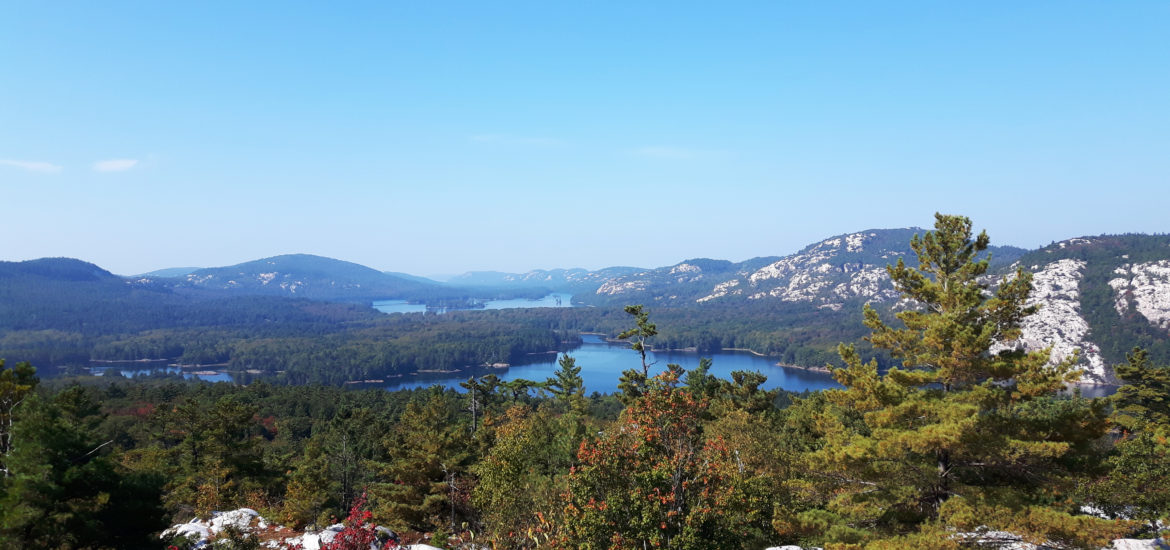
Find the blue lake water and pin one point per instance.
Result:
(131, 369)
(602, 364)
(556, 299)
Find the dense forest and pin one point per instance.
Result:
(954, 447)
(63, 314)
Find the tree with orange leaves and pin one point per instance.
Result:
(653, 480)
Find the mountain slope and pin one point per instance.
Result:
(827, 274)
(1101, 295)
(67, 299)
(575, 280)
(169, 272)
(305, 276)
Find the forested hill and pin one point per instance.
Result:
(66, 313)
(825, 275)
(1101, 295)
(305, 276)
(575, 280)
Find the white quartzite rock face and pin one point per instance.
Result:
(722, 289)
(1056, 289)
(810, 277)
(1146, 288)
(615, 287)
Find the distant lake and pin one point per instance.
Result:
(556, 299)
(130, 369)
(602, 364)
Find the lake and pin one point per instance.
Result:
(130, 369)
(556, 299)
(602, 364)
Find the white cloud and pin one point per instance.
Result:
(508, 139)
(32, 166)
(664, 152)
(114, 165)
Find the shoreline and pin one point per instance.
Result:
(821, 369)
(749, 350)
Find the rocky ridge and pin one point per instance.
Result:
(1059, 324)
(202, 534)
(1144, 288)
(849, 269)
(825, 275)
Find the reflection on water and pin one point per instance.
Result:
(602, 365)
(556, 299)
(147, 368)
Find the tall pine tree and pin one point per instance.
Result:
(958, 438)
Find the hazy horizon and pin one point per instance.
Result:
(440, 139)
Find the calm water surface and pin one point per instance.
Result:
(556, 299)
(602, 365)
(130, 369)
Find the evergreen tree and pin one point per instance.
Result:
(642, 330)
(957, 437)
(1145, 397)
(426, 453)
(480, 394)
(1137, 485)
(307, 495)
(743, 392)
(700, 380)
(633, 382)
(15, 385)
(67, 491)
(567, 386)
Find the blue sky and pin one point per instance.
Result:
(441, 137)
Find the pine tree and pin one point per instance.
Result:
(1145, 397)
(642, 330)
(307, 493)
(66, 490)
(567, 386)
(957, 437)
(427, 451)
(633, 382)
(15, 385)
(1137, 485)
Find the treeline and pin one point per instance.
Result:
(682, 459)
(300, 341)
(950, 449)
(157, 451)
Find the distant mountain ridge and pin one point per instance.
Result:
(304, 276)
(575, 280)
(1100, 296)
(827, 274)
(168, 272)
(56, 268)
